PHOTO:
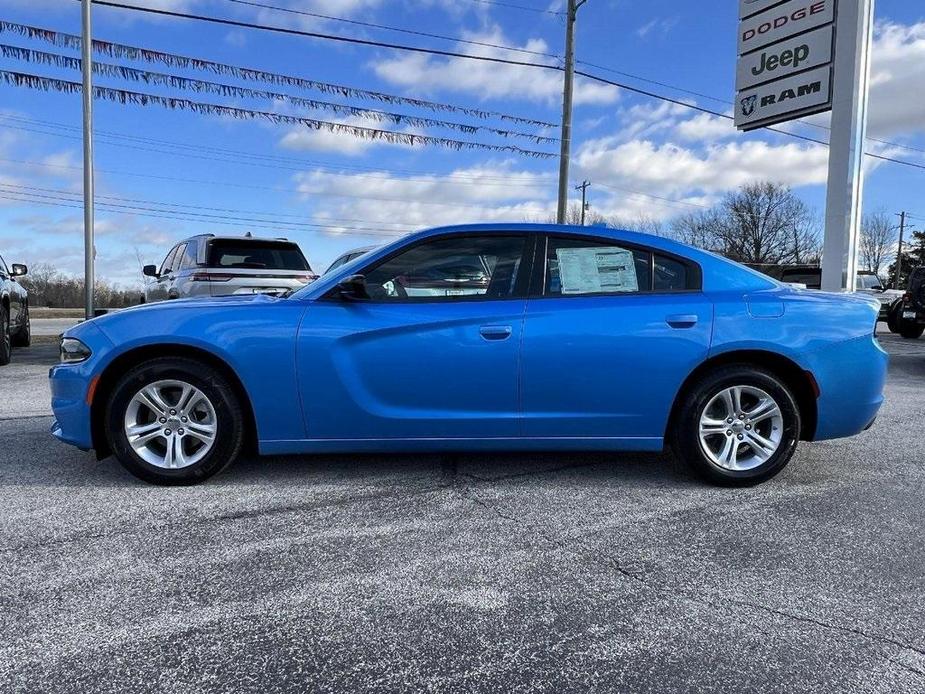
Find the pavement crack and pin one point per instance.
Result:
(834, 627)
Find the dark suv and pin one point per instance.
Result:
(208, 265)
(908, 313)
(15, 328)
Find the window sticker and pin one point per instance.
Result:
(596, 270)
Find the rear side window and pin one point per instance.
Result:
(579, 266)
(669, 274)
(188, 259)
(811, 279)
(256, 255)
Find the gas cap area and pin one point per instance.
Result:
(764, 307)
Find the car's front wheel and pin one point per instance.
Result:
(6, 345)
(738, 426)
(23, 336)
(174, 421)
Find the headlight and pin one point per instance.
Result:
(73, 351)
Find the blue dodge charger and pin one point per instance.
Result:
(482, 337)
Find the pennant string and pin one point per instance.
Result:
(178, 82)
(119, 50)
(122, 96)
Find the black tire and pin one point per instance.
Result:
(686, 442)
(911, 331)
(893, 319)
(23, 336)
(6, 344)
(229, 419)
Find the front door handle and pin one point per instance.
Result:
(679, 320)
(495, 332)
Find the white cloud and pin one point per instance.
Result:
(657, 26)
(897, 79)
(487, 80)
(705, 128)
(670, 170)
(399, 204)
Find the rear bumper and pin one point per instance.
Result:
(851, 376)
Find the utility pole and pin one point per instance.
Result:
(899, 255)
(584, 205)
(86, 58)
(565, 141)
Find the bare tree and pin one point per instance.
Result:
(697, 229)
(642, 222)
(765, 223)
(878, 235)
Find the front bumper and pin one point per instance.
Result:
(70, 384)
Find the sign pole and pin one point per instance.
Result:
(844, 192)
(86, 55)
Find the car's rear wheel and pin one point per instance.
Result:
(6, 345)
(738, 426)
(911, 331)
(23, 336)
(174, 421)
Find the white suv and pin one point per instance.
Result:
(210, 265)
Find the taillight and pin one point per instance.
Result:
(305, 279)
(907, 296)
(210, 277)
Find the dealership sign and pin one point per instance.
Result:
(785, 57)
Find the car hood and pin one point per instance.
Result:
(151, 311)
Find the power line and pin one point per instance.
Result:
(513, 6)
(268, 161)
(385, 27)
(146, 211)
(316, 34)
(202, 207)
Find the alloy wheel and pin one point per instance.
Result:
(741, 428)
(170, 424)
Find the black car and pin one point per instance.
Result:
(907, 315)
(15, 329)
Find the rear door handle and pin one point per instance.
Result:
(495, 332)
(681, 320)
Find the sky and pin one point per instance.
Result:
(165, 174)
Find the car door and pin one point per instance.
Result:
(157, 289)
(431, 354)
(611, 332)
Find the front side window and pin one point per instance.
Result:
(579, 266)
(450, 268)
(3, 269)
(168, 261)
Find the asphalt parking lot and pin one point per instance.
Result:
(470, 573)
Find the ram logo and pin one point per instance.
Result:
(748, 105)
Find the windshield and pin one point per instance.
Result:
(868, 282)
(256, 255)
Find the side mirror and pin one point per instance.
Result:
(18, 270)
(149, 271)
(353, 288)
(878, 288)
